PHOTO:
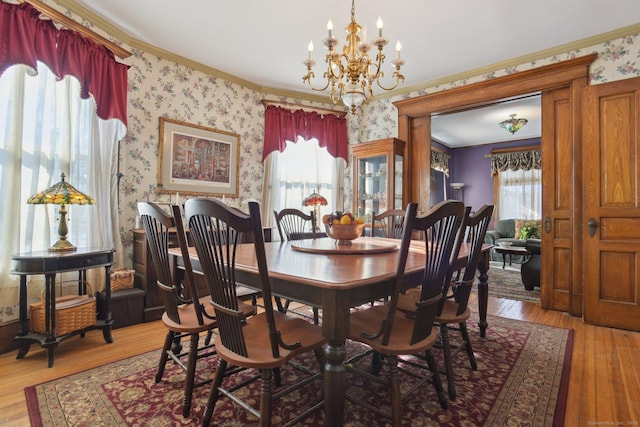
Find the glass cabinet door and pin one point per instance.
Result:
(378, 177)
(398, 178)
(372, 186)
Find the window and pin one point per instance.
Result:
(517, 182)
(293, 174)
(520, 194)
(47, 129)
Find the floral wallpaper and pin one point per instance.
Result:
(158, 87)
(617, 59)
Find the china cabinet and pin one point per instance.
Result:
(379, 168)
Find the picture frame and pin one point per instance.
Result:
(197, 160)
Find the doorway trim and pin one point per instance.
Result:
(414, 127)
(414, 114)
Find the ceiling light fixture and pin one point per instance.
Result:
(513, 125)
(353, 71)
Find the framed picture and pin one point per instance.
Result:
(197, 160)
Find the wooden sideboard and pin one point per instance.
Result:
(145, 275)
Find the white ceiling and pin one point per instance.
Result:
(480, 126)
(265, 42)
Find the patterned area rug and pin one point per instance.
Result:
(507, 283)
(522, 379)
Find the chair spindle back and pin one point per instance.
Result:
(439, 227)
(216, 231)
(390, 222)
(475, 231)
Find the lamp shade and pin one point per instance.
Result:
(314, 199)
(62, 194)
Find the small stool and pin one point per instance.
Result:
(127, 307)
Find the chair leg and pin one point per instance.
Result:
(319, 353)
(164, 356)
(316, 316)
(376, 362)
(277, 377)
(396, 398)
(465, 336)
(190, 374)
(437, 382)
(265, 398)
(279, 305)
(207, 339)
(213, 394)
(448, 362)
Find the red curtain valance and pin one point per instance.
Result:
(282, 125)
(25, 38)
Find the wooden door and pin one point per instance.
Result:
(557, 191)
(611, 229)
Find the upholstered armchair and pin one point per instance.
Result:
(505, 231)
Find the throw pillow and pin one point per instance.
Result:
(519, 225)
(530, 229)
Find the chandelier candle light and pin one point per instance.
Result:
(513, 125)
(353, 71)
(62, 194)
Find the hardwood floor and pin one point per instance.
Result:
(604, 384)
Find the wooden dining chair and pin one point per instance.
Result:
(293, 224)
(185, 313)
(266, 341)
(387, 224)
(387, 331)
(454, 311)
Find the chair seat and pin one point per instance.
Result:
(407, 301)
(189, 322)
(259, 349)
(407, 304)
(448, 314)
(367, 320)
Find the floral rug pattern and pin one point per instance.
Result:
(521, 380)
(507, 283)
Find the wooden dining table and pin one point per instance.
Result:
(337, 281)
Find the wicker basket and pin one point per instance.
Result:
(122, 279)
(73, 313)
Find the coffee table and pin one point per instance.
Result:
(510, 250)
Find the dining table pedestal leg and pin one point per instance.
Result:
(334, 383)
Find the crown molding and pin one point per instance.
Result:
(524, 59)
(123, 36)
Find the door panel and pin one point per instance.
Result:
(612, 192)
(557, 199)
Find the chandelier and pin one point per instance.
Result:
(513, 125)
(352, 72)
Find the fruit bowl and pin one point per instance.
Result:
(344, 233)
